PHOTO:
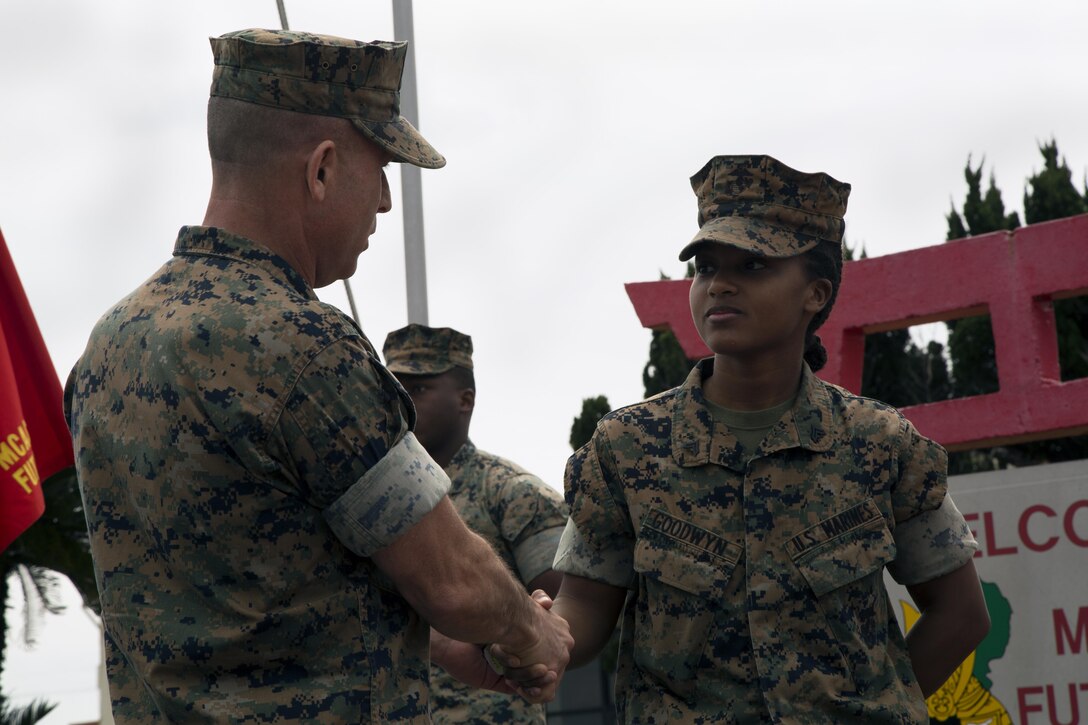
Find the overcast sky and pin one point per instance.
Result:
(570, 128)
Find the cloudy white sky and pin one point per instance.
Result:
(571, 129)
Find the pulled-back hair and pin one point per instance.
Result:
(824, 261)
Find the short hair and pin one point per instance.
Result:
(251, 135)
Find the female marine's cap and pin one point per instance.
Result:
(759, 204)
(327, 76)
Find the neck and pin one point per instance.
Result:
(748, 385)
(443, 454)
(266, 216)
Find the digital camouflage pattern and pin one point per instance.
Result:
(756, 591)
(420, 350)
(225, 423)
(759, 204)
(324, 75)
(522, 518)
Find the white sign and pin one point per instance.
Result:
(1032, 529)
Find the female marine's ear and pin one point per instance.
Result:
(819, 294)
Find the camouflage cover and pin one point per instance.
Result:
(421, 350)
(756, 591)
(325, 75)
(759, 204)
(522, 518)
(225, 424)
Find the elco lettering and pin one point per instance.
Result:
(1039, 528)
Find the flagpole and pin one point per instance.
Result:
(283, 15)
(415, 258)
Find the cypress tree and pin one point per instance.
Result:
(668, 366)
(593, 409)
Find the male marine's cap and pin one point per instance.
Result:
(759, 204)
(323, 75)
(421, 350)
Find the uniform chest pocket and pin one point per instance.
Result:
(842, 559)
(683, 573)
(843, 548)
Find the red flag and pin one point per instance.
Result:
(30, 410)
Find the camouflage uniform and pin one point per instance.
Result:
(242, 453)
(516, 512)
(233, 491)
(755, 582)
(756, 585)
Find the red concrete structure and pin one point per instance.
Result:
(1012, 276)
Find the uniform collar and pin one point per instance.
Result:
(696, 442)
(463, 454)
(458, 463)
(214, 242)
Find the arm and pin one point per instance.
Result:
(548, 581)
(440, 568)
(592, 609)
(954, 620)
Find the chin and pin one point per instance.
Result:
(721, 346)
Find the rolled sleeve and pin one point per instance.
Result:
(535, 553)
(390, 498)
(529, 515)
(598, 542)
(576, 556)
(931, 544)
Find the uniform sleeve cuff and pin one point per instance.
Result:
(390, 498)
(931, 544)
(578, 557)
(534, 555)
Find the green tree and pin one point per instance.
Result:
(1050, 194)
(56, 544)
(983, 213)
(938, 384)
(593, 409)
(900, 373)
(668, 366)
(32, 713)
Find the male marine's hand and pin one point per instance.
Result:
(535, 671)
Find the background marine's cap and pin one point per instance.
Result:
(327, 76)
(421, 350)
(759, 204)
